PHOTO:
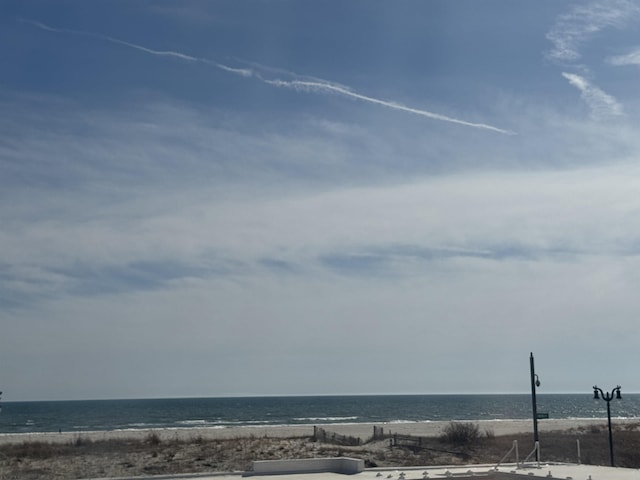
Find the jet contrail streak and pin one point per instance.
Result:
(318, 86)
(300, 85)
(167, 53)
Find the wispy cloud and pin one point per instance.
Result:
(315, 86)
(500, 219)
(631, 58)
(584, 22)
(575, 28)
(602, 105)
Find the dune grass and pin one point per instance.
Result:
(152, 455)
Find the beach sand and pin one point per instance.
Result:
(361, 430)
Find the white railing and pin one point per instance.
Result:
(514, 446)
(523, 464)
(536, 450)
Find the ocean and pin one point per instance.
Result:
(90, 415)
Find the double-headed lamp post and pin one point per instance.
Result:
(607, 397)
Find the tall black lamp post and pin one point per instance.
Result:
(535, 382)
(607, 397)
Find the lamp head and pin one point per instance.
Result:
(536, 382)
(618, 394)
(596, 396)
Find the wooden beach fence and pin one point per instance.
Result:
(408, 441)
(395, 439)
(325, 436)
(413, 442)
(399, 440)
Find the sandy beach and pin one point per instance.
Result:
(126, 453)
(361, 430)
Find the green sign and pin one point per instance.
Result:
(541, 416)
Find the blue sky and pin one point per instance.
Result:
(262, 198)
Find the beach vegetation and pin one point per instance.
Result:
(81, 440)
(632, 426)
(94, 457)
(153, 439)
(36, 449)
(460, 434)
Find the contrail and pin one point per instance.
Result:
(319, 86)
(316, 86)
(167, 53)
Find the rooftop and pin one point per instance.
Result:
(561, 471)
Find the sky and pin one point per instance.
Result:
(214, 198)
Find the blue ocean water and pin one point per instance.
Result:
(79, 416)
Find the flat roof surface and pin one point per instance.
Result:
(563, 471)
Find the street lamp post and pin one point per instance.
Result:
(535, 382)
(607, 397)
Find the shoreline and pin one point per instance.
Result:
(361, 430)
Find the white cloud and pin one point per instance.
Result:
(457, 220)
(135, 193)
(601, 104)
(632, 58)
(584, 22)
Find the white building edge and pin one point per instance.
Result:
(340, 467)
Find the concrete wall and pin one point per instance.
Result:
(344, 465)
